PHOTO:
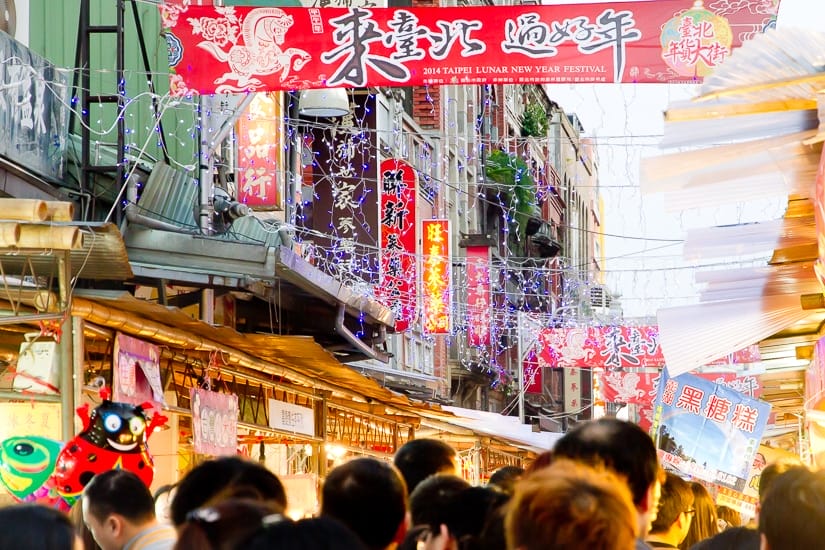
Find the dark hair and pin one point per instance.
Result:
(226, 525)
(81, 529)
(770, 472)
(793, 510)
(162, 490)
(731, 517)
(505, 478)
(468, 513)
(321, 533)
(369, 497)
(420, 458)
(119, 492)
(543, 460)
(35, 527)
(738, 538)
(224, 478)
(432, 495)
(676, 499)
(622, 446)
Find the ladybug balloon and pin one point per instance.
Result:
(113, 437)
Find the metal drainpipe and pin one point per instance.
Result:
(372, 353)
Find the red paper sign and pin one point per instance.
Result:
(533, 381)
(435, 276)
(235, 49)
(259, 152)
(478, 296)
(398, 266)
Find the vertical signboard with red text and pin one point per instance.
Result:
(259, 152)
(397, 279)
(478, 296)
(435, 275)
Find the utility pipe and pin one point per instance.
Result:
(357, 342)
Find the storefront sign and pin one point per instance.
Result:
(435, 276)
(479, 306)
(214, 422)
(259, 134)
(292, 418)
(217, 49)
(34, 110)
(137, 372)
(706, 430)
(28, 419)
(397, 281)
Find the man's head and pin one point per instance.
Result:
(116, 506)
(571, 505)
(420, 458)
(432, 495)
(626, 449)
(676, 511)
(793, 510)
(369, 497)
(505, 478)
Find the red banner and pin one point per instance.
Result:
(398, 267)
(235, 49)
(259, 152)
(615, 347)
(478, 296)
(639, 388)
(435, 277)
(533, 380)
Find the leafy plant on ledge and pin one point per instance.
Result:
(519, 194)
(534, 121)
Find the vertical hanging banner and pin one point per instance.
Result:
(397, 276)
(236, 49)
(478, 296)
(435, 275)
(707, 430)
(137, 372)
(259, 152)
(214, 422)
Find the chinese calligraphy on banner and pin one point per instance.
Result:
(234, 49)
(397, 278)
(436, 275)
(259, 152)
(707, 430)
(478, 296)
(214, 422)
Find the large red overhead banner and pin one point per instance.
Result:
(234, 49)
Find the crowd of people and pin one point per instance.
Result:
(601, 488)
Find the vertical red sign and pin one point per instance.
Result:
(259, 152)
(478, 296)
(435, 275)
(397, 277)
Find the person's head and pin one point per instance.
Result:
(116, 505)
(163, 502)
(36, 527)
(571, 505)
(432, 495)
(623, 447)
(223, 478)
(728, 517)
(369, 497)
(420, 458)
(228, 524)
(676, 511)
(469, 515)
(793, 510)
(737, 538)
(705, 523)
(321, 533)
(770, 472)
(81, 529)
(505, 478)
(543, 460)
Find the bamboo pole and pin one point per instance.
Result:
(31, 210)
(60, 211)
(50, 236)
(9, 234)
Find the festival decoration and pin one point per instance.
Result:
(26, 462)
(113, 437)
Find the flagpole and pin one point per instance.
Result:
(520, 367)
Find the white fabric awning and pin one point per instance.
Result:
(503, 427)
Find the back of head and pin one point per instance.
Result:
(793, 510)
(224, 478)
(505, 478)
(737, 538)
(622, 446)
(35, 527)
(729, 516)
(227, 524)
(369, 497)
(770, 472)
(432, 495)
(420, 458)
(570, 505)
(119, 492)
(468, 513)
(321, 533)
(676, 498)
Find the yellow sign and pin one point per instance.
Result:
(30, 418)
